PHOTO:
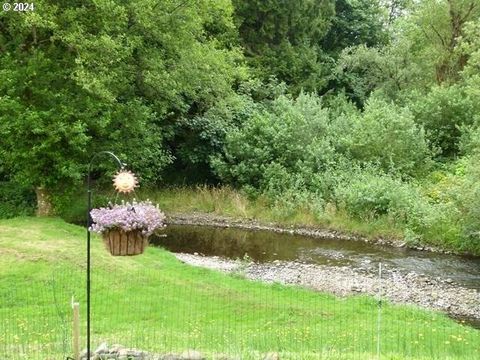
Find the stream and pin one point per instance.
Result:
(450, 283)
(267, 246)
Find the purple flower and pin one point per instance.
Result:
(142, 216)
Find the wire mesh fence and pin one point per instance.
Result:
(168, 310)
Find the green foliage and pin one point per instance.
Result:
(203, 136)
(469, 143)
(436, 28)
(107, 75)
(369, 194)
(444, 111)
(471, 45)
(290, 143)
(468, 203)
(385, 134)
(356, 22)
(17, 200)
(282, 38)
(276, 141)
(389, 70)
(298, 41)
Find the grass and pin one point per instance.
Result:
(225, 201)
(156, 303)
(445, 234)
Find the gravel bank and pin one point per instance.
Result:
(410, 288)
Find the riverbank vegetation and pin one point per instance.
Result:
(157, 303)
(427, 224)
(362, 115)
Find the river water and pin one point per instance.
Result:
(268, 246)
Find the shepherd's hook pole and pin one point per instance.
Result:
(89, 223)
(379, 315)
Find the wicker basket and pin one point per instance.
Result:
(125, 243)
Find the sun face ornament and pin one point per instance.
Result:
(125, 181)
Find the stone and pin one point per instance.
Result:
(115, 348)
(102, 349)
(107, 356)
(272, 356)
(191, 355)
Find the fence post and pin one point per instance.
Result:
(379, 314)
(76, 330)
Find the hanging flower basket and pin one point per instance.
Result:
(126, 228)
(121, 243)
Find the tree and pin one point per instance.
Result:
(390, 70)
(395, 9)
(437, 27)
(281, 39)
(356, 22)
(81, 76)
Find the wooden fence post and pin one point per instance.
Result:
(76, 331)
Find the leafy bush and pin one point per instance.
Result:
(469, 143)
(17, 200)
(468, 203)
(275, 142)
(443, 111)
(451, 220)
(369, 194)
(200, 137)
(385, 134)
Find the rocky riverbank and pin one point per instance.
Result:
(409, 288)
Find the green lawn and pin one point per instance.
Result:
(156, 303)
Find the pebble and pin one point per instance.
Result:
(403, 288)
(272, 356)
(119, 352)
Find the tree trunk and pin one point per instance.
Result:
(44, 203)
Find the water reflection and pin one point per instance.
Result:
(267, 246)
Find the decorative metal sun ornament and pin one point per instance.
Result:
(125, 181)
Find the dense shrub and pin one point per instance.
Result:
(202, 136)
(16, 200)
(71, 203)
(443, 111)
(452, 221)
(385, 134)
(470, 139)
(468, 203)
(369, 194)
(299, 153)
(275, 143)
